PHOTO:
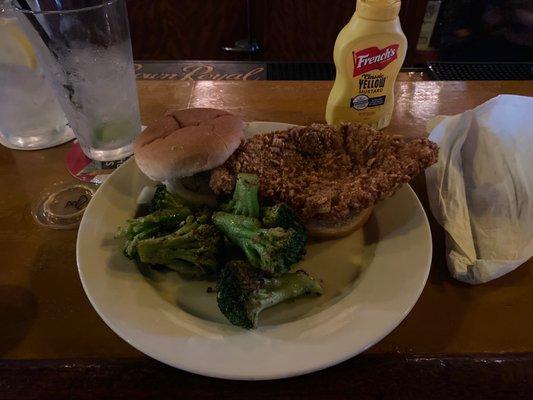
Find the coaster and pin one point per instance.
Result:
(84, 169)
(61, 206)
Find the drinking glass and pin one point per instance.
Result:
(84, 48)
(30, 116)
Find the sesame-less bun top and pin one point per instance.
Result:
(185, 142)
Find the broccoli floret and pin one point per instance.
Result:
(159, 220)
(245, 198)
(194, 246)
(281, 215)
(164, 200)
(243, 291)
(274, 250)
(157, 223)
(130, 247)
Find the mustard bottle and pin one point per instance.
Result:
(368, 55)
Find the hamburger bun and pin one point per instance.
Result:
(326, 229)
(186, 142)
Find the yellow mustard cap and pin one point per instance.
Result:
(378, 10)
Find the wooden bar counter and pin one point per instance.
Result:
(458, 340)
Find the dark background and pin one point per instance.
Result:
(498, 30)
(286, 30)
(305, 30)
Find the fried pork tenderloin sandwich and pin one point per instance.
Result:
(182, 148)
(332, 176)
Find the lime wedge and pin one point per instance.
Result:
(108, 132)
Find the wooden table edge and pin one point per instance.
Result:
(397, 376)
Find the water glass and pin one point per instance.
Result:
(30, 116)
(84, 48)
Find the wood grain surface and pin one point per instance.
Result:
(300, 30)
(286, 30)
(186, 29)
(45, 314)
(368, 377)
(304, 30)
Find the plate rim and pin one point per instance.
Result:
(267, 376)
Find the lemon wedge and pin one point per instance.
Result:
(15, 48)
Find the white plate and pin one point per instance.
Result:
(372, 279)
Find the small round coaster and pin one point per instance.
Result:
(84, 169)
(62, 206)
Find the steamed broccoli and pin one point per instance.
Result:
(167, 213)
(195, 248)
(243, 291)
(164, 200)
(159, 220)
(274, 250)
(130, 247)
(245, 198)
(157, 223)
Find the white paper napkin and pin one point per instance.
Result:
(481, 189)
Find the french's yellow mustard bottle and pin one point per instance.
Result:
(368, 55)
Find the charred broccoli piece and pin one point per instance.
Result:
(281, 215)
(164, 200)
(245, 199)
(195, 248)
(274, 250)
(244, 291)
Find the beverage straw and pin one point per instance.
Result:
(23, 4)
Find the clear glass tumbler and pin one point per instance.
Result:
(86, 55)
(30, 116)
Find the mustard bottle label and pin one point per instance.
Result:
(371, 78)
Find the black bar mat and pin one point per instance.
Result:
(478, 71)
